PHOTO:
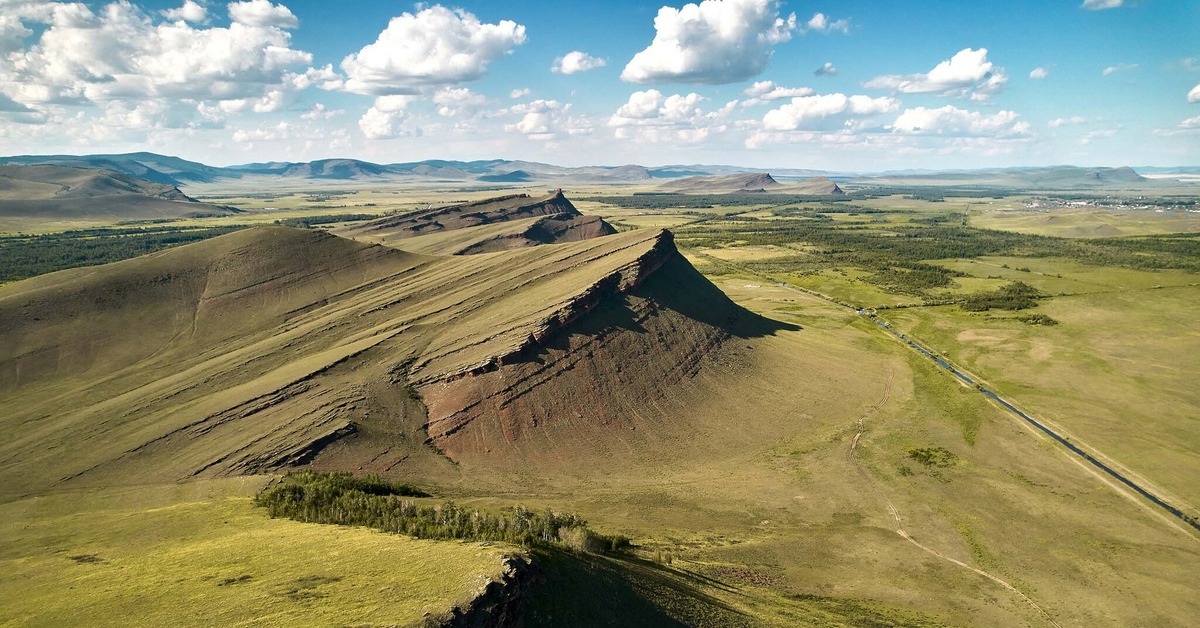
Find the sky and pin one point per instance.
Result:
(839, 85)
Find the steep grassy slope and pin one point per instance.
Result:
(770, 464)
(230, 357)
(56, 192)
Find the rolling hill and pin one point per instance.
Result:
(783, 464)
(721, 184)
(816, 186)
(241, 357)
(495, 224)
(1044, 178)
(65, 193)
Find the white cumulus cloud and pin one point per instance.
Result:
(952, 121)
(967, 72)
(826, 70)
(826, 112)
(189, 12)
(1039, 73)
(261, 13)
(576, 61)
(820, 23)
(714, 42)
(120, 53)
(652, 116)
(546, 120)
(765, 91)
(457, 102)
(435, 46)
(386, 118)
(1194, 95)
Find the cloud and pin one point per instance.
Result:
(261, 13)
(321, 112)
(1120, 67)
(968, 71)
(652, 116)
(952, 121)
(457, 102)
(826, 70)
(576, 61)
(189, 12)
(519, 93)
(820, 24)
(120, 53)
(546, 120)
(1061, 122)
(1039, 73)
(1100, 5)
(1190, 126)
(385, 119)
(1194, 95)
(436, 46)
(765, 91)
(714, 42)
(826, 112)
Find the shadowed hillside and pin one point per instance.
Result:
(58, 192)
(236, 356)
(496, 224)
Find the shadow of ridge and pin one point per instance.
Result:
(677, 285)
(592, 590)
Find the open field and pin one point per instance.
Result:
(762, 461)
(200, 554)
(1089, 222)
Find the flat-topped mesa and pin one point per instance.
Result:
(496, 224)
(463, 215)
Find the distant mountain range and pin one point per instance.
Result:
(47, 192)
(181, 172)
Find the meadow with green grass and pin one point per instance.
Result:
(809, 469)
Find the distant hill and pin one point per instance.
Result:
(494, 224)
(339, 169)
(1050, 178)
(816, 186)
(147, 166)
(725, 184)
(516, 176)
(238, 356)
(57, 192)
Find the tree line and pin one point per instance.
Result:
(343, 499)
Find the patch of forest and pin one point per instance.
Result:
(343, 499)
(24, 256)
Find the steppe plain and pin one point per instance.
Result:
(725, 398)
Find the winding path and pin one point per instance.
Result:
(895, 512)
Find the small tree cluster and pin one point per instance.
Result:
(341, 498)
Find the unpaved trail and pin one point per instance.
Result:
(866, 476)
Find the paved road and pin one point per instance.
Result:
(1072, 447)
(1092, 460)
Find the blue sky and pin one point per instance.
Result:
(837, 85)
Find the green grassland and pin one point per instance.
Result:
(768, 488)
(201, 554)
